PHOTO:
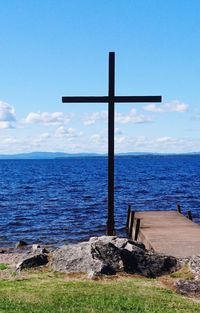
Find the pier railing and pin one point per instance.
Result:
(133, 223)
(189, 213)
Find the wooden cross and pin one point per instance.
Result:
(111, 99)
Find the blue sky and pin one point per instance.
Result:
(50, 49)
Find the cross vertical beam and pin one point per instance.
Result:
(111, 147)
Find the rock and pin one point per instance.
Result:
(108, 255)
(11, 258)
(72, 258)
(120, 243)
(100, 255)
(194, 264)
(188, 286)
(21, 244)
(146, 263)
(134, 246)
(36, 248)
(32, 260)
(103, 238)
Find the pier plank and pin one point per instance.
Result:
(168, 232)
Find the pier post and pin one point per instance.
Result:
(130, 231)
(178, 208)
(189, 215)
(137, 228)
(128, 217)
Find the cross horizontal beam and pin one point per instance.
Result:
(104, 99)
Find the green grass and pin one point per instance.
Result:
(46, 292)
(183, 273)
(3, 266)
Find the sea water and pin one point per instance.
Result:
(65, 200)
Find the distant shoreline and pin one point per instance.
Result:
(62, 155)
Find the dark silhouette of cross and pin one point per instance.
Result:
(111, 99)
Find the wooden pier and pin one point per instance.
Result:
(167, 232)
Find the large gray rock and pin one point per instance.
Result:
(148, 264)
(73, 258)
(188, 286)
(32, 260)
(98, 255)
(194, 264)
(108, 255)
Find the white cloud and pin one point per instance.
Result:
(42, 138)
(5, 125)
(9, 141)
(96, 138)
(141, 144)
(164, 139)
(120, 139)
(66, 132)
(172, 106)
(69, 140)
(7, 115)
(176, 106)
(133, 117)
(164, 144)
(45, 136)
(92, 118)
(98, 141)
(153, 108)
(47, 118)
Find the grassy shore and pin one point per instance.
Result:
(47, 292)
